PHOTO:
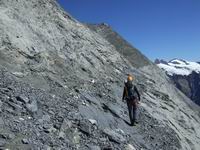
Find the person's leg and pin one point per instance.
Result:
(132, 115)
(130, 110)
(135, 115)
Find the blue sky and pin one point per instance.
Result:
(164, 29)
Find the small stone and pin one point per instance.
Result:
(92, 147)
(50, 130)
(92, 81)
(76, 137)
(44, 118)
(85, 128)
(103, 139)
(11, 136)
(65, 125)
(51, 112)
(114, 136)
(15, 106)
(9, 110)
(93, 122)
(120, 131)
(25, 141)
(22, 119)
(57, 126)
(32, 107)
(30, 117)
(84, 103)
(22, 98)
(18, 74)
(7, 136)
(61, 135)
(129, 147)
(46, 147)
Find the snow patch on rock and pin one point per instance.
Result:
(180, 67)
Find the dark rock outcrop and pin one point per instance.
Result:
(189, 85)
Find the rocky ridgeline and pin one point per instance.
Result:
(61, 85)
(133, 55)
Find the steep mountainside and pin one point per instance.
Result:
(185, 75)
(61, 85)
(122, 46)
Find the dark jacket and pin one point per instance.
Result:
(125, 93)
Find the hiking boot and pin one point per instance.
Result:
(136, 122)
(133, 124)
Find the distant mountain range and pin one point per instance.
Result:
(185, 75)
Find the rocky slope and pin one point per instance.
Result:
(61, 86)
(185, 75)
(134, 56)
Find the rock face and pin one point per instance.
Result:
(133, 55)
(61, 85)
(185, 75)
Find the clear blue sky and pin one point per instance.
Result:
(158, 28)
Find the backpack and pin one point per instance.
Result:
(130, 90)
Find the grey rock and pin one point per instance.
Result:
(76, 137)
(93, 122)
(61, 135)
(66, 125)
(25, 141)
(46, 147)
(50, 129)
(44, 118)
(114, 136)
(93, 147)
(85, 127)
(23, 99)
(129, 147)
(16, 107)
(32, 107)
(7, 136)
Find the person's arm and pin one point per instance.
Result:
(137, 92)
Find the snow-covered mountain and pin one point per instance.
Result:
(185, 75)
(179, 67)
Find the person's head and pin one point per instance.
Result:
(130, 78)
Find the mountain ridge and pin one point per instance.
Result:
(133, 55)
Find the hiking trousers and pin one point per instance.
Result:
(133, 110)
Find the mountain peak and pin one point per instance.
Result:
(178, 61)
(179, 66)
(160, 61)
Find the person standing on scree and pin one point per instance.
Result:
(132, 97)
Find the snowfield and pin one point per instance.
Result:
(180, 67)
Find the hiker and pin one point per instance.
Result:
(132, 97)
